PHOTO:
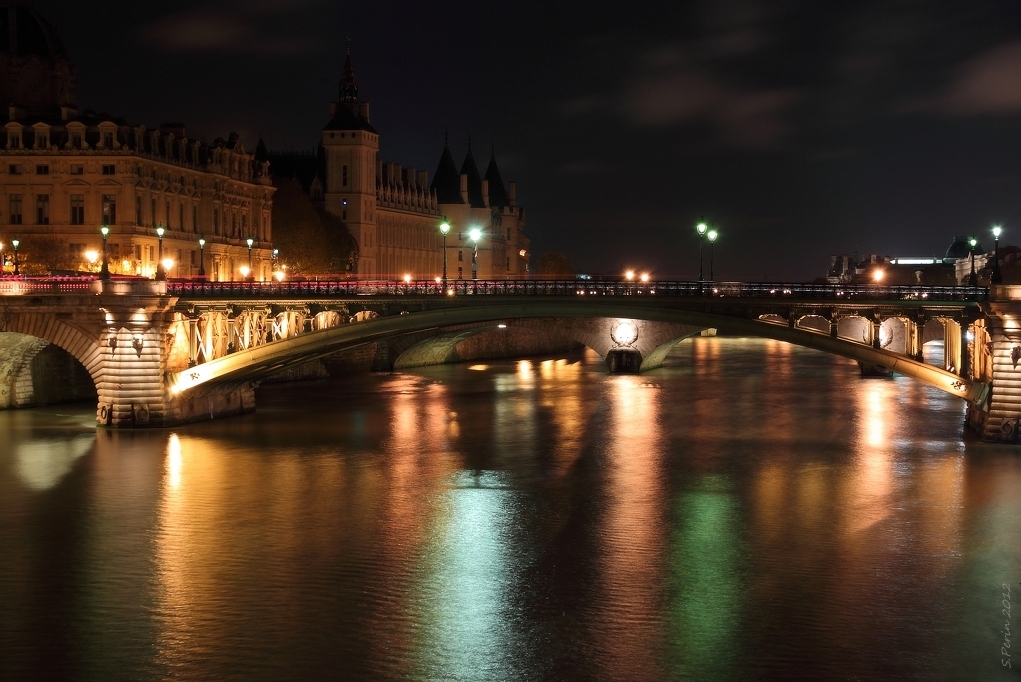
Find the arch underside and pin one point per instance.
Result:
(260, 361)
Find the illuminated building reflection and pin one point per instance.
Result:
(41, 463)
(631, 561)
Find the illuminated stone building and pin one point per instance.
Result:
(393, 212)
(63, 174)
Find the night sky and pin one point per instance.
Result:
(800, 129)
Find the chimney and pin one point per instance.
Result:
(512, 193)
(363, 110)
(464, 187)
(409, 176)
(485, 192)
(423, 179)
(333, 109)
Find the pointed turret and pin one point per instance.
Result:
(469, 169)
(348, 87)
(446, 181)
(497, 192)
(261, 153)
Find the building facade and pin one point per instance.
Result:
(393, 212)
(64, 174)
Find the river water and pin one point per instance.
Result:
(752, 510)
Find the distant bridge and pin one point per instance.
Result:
(166, 352)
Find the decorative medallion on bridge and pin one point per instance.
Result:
(624, 333)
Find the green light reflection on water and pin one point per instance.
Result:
(462, 602)
(705, 603)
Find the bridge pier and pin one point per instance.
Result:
(624, 361)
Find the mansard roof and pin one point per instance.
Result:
(474, 180)
(447, 181)
(497, 192)
(347, 119)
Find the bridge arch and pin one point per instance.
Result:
(259, 361)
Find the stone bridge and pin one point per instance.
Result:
(163, 353)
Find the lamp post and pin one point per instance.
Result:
(475, 234)
(972, 278)
(3, 262)
(444, 229)
(997, 277)
(712, 235)
(202, 257)
(16, 243)
(161, 272)
(104, 271)
(701, 229)
(250, 241)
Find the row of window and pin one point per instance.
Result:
(76, 140)
(16, 205)
(44, 169)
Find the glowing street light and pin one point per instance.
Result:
(16, 243)
(645, 277)
(972, 278)
(997, 276)
(160, 272)
(629, 275)
(701, 229)
(250, 241)
(444, 229)
(878, 275)
(244, 272)
(407, 278)
(475, 235)
(202, 257)
(104, 270)
(712, 235)
(168, 264)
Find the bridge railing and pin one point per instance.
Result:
(507, 287)
(537, 287)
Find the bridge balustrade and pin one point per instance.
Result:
(511, 287)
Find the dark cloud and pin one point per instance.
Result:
(227, 27)
(988, 84)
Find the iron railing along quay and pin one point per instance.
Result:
(195, 288)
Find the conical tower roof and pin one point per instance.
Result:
(497, 192)
(348, 86)
(474, 179)
(447, 181)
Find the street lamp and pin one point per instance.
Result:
(444, 229)
(16, 243)
(202, 257)
(475, 234)
(161, 273)
(713, 234)
(973, 278)
(104, 270)
(250, 242)
(701, 229)
(997, 277)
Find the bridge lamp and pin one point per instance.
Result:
(877, 275)
(104, 269)
(168, 264)
(279, 274)
(629, 275)
(444, 229)
(997, 277)
(972, 278)
(244, 272)
(250, 241)
(712, 235)
(16, 243)
(645, 277)
(407, 278)
(701, 228)
(475, 235)
(160, 272)
(202, 256)
(92, 256)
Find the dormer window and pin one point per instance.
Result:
(42, 140)
(14, 141)
(108, 140)
(76, 139)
